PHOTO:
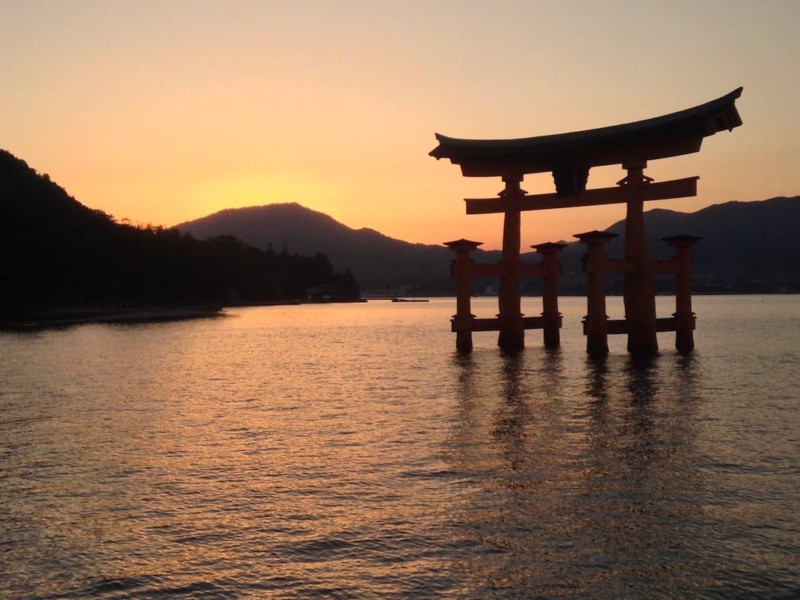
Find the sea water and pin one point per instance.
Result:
(347, 451)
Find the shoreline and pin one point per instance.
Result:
(67, 317)
(58, 318)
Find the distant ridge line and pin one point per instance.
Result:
(747, 244)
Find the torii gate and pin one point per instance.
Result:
(569, 157)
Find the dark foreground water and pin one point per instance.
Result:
(346, 451)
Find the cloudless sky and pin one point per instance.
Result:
(162, 111)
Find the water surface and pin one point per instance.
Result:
(347, 451)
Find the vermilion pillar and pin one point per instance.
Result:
(596, 320)
(512, 330)
(684, 317)
(640, 297)
(551, 272)
(463, 319)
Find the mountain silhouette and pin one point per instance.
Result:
(746, 246)
(739, 238)
(377, 261)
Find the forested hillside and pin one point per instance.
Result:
(56, 253)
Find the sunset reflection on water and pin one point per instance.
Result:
(348, 450)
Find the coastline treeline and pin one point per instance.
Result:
(57, 254)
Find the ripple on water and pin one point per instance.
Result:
(347, 451)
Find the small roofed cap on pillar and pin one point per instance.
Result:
(595, 236)
(462, 243)
(549, 246)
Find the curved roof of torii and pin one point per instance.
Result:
(661, 137)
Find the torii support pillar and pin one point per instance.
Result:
(595, 325)
(551, 270)
(462, 321)
(639, 293)
(512, 328)
(684, 317)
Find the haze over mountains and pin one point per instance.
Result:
(746, 246)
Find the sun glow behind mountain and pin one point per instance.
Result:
(248, 189)
(164, 112)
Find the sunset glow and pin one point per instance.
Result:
(163, 112)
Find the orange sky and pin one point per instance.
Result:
(165, 111)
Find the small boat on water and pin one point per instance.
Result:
(409, 300)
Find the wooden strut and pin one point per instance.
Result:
(597, 326)
(640, 322)
(512, 329)
(464, 322)
(639, 290)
